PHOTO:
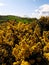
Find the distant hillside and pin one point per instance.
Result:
(16, 18)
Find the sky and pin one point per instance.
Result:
(25, 8)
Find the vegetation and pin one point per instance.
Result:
(16, 18)
(24, 43)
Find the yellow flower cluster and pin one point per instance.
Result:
(23, 43)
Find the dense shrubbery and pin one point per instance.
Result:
(24, 43)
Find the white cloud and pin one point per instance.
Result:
(35, 0)
(41, 11)
(2, 4)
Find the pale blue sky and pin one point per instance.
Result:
(21, 7)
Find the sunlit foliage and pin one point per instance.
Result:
(24, 43)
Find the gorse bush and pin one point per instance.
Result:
(24, 43)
